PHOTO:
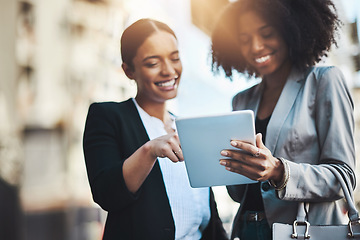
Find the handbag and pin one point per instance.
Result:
(302, 229)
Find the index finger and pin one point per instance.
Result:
(248, 147)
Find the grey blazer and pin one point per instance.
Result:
(311, 125)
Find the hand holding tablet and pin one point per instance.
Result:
(203, 138)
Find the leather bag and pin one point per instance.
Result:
(302, 229)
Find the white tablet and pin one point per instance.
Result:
(203, 138)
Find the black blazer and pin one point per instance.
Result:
(114, 131)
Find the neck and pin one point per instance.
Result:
(278, 79)
(154, 109)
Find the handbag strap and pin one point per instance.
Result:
(303, 209)
(346, 186)
(353, 213)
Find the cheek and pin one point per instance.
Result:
(244, 53)
(143, 82)
(283, 48)
(146, 77)
(179, 69)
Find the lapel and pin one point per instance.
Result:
(257, 97)
(154, 196)
(138, 132)
(283, 107)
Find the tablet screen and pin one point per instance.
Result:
(202, 139)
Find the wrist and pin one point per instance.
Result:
(147, 150)
(279, 185)
(279, 171)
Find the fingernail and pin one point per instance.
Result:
(233, 143)
(224, 153)
(222, 162)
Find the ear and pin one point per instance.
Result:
(128, 70)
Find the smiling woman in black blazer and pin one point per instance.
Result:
(133, 155)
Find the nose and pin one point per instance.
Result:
(257, 44)
(168, 68)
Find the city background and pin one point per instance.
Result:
(59, 56)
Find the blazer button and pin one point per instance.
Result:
(265, 186)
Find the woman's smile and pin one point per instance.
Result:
(263, 59)
(167, 85)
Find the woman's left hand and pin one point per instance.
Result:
(254, 162)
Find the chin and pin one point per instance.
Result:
(164, 98)
(171, 95)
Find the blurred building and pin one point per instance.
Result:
(58, 57)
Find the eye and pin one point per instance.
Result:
(175, 59)
(151, 64)
(268, 33)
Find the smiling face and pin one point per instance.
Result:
(262, 45)
(157, 68)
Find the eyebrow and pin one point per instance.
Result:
(261, 28)
(266, 26)
(156, 56)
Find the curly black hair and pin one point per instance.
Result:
(308, 27)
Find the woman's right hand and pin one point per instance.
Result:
(166, 146)
(138, 166)
(254, 162)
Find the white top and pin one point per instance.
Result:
(190, 206)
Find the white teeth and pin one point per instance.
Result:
(166, 84)
(262, 59)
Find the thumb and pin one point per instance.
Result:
(259, 142)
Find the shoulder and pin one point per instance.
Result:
(327, 80)
(330, 84)
(326, 73)
(247, 92)
(243, 96)
(111, 107)
(112, 116)
(112, 111)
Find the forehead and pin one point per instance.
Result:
(158, 43)
(251, 21)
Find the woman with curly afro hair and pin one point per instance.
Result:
(303, 112)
